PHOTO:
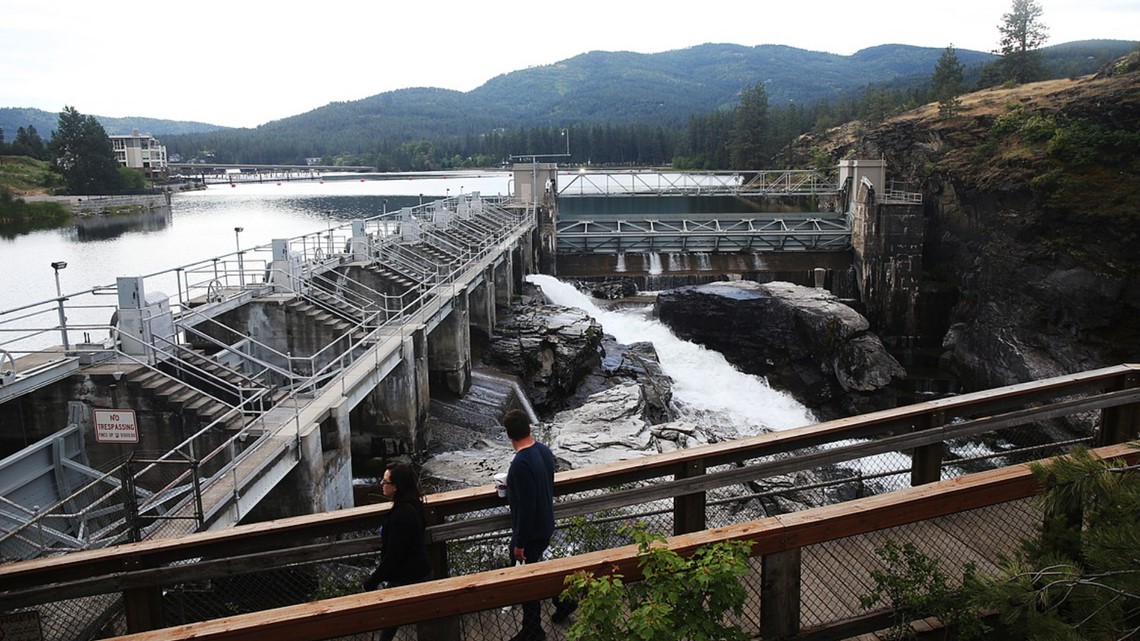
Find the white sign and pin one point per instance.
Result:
(116, 426)
(21, 626)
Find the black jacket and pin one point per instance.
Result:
(403, 557)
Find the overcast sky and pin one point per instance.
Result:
(242, 63)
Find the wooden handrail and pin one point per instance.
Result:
(898, 428)
(369, 611)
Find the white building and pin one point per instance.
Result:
(141, 151)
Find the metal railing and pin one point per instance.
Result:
(780, 232)
(673, 183)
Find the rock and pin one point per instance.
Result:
(610, 289)
(631, 363)
(805, 340)
(611, 426)
(469, 467)
(549, 347)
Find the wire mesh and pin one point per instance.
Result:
(835, 574)
(94, 617)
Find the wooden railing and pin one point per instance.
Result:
(770, 537)
(139, 570)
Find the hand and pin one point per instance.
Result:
(520, 554)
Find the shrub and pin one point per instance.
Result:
(679, 598)
(913, 586)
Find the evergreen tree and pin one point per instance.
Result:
(1022, 34)
(749, 147)
(82, 152)
(29, 143)
(1080, 578)
(947, 82)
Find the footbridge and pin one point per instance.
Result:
(256, 386)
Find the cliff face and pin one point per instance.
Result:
(1032, 216)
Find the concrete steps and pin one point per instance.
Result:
(172, 394)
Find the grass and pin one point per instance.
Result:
(19, 176)
(24, 176)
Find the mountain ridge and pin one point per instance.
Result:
(664, 89)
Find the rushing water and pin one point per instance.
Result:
(706, 387)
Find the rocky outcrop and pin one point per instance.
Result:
(805, 340)
(1030, 196)
(549, 347)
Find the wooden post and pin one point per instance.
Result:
(926, 460)
(689, 510)
(444, 628)
(1120, 424)
(780, 595)
(143, 609)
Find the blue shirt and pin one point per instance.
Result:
(530, 493)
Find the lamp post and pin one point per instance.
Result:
(241, 262)
(58, 265)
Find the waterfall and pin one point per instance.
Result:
(707, 389)
(620, 263)
(654, 264)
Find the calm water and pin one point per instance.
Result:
(200, 225)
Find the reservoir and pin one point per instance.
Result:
(201, 224)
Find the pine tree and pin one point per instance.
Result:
(29, 143)
(1022, 34)
(750, 130)
(82, 152)
(1080, 578)
(947, 82)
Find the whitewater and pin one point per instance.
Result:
(707, 389)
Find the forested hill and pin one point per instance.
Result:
(622, 88)
(659, 90)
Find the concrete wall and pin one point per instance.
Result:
(887, 241)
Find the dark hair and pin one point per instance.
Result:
(517, 424)
(406, 484)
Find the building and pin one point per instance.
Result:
(143, 152)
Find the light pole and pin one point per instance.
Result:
(58, 265)
(566, 134)
(241, 262)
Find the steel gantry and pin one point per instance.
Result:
(641, 182)
(820, 231)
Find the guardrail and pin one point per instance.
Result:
(683, 491)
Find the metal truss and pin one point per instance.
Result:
(780, 232)
(797, 182)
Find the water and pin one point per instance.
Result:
(707, 389)
(200, 225)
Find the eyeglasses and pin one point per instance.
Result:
(386, 482)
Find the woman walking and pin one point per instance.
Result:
(403, 557)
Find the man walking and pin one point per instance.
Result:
(530, 493)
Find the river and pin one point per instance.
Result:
(200, 224)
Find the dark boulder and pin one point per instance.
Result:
(804, 340)
(549, 347)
